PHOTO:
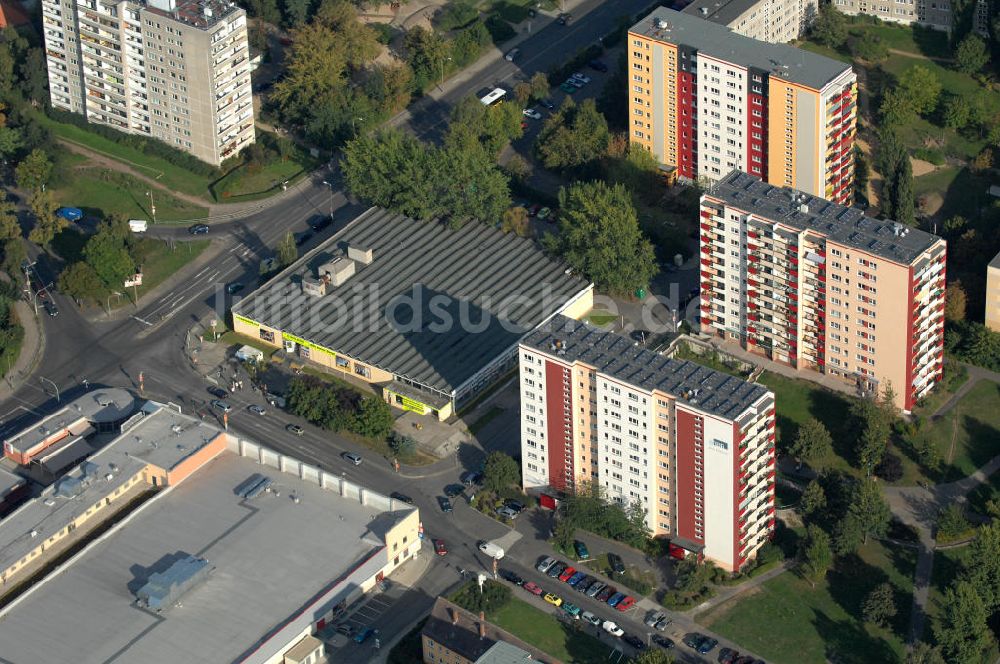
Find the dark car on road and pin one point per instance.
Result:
(663, 642)
(234, 287)
(50, 307)
(302, 238)
(453, 490)
(556, 570)
(595, 589)
(615, 561)
(727, 656)
(471, 477)
(634, 641)
(706, 645)
(445, 504)
(218, 392)
(320, 222)
(597, 65)
(607, 592)
(508, 575)
(584, 583)
(198, 229)
(395, 495)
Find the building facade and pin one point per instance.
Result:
(821, 287)
(706, 101)
(934, 14)
(174, 70)
(694, 447)
(773, 21)
(992, 313)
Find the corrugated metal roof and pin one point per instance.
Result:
(459, 297)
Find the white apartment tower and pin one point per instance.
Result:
(693, 446)
(174, 70)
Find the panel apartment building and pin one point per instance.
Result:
(930, 13)
(174, 70)
(773, 21)
(707, 101)
(693, 446)
(820, 286)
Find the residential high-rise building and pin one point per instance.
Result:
(774, 21)
(820, 286)
(706, 101)
(930, 13)
(174, 70)
(692, 446)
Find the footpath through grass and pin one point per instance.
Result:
(102, 192)
(968, 435)
(566, 642)
(787, 621)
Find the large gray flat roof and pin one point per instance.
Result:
(612, 354)
(272, 556)
(163, 437)
(462, 273)
(102, 405)
(793, 64)
(846, 225)
(722, 12)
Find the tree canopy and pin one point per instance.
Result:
(574, 136)
(500, 472)
(599, 236)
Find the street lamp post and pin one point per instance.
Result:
(152, 205)
(52, 383)
(447, 58)
(330, 185)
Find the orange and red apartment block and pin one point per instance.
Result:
(707, 101)
(820, 286)
(692, 446)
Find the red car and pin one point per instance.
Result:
(626, 603)
(568, 572)
(440, 548)
(533, 588)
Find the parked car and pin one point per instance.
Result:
(582, 552)
(565, 575)
(218, 392)
(256, 410)
(352, 458)
(50, 307)
(583, 584)
(508, 575)
(234, 287)
(198, 229)
(545, 564)
(533, 588)
(575, 82)
(515, 505)
(471, 477)
(591, 618)
(320, 222)
(440, 547)
(564, 19)
(746, 659)
(611, 627)
(363, 635)
(627, 603)
(296, 429)
(453, 490)
(595, 588)
(221, 405)
(445, 504)
(556, 570)
(693, 640)
(615, 599)
(616, 563)
(576, 578)
(707, 645)
(544, 214)
(663, 642)
(727, 656)
(346, 629)
(512, 54)
(492, 550)
(605, 593)
(553, 599)
(533, 209)
(548, 103)
(653, 617)
(567, 87)
(571, 609)
(395, 495)
(634, 641)
(532, 113)
(507, 512)
(662, 623)
(583, 78)
(597, 65)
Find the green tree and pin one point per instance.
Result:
(573, 137)
(961, 630)
(982, 567)
(10, 228)
(373, 418)
(921, 88)
(971, 54)
(923, 653)
(812, 442)
(830, 27)
(814, 555)
(952, 522)
(427, 53)
(896, 108)
(515, 220)
(903, 194)
(34, 171)
(107, 252)
(848, 535)
(957, 112)
(10, 141)
(653, 656)
(404, 447)
(81, 282)
(288, 252)
(390, 169)
(43, 206)
(265, 10)
(295, 12)
(491, 127)
(955, 301)
(870, 47)
(563, 534)
(870, 419)
(34, 78)
(599, 236)
(880, 605)
(540, 86)
(493, 597)
(870, 510)
(813, 499)
(500, 472)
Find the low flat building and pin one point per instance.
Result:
(929, 13)
(453, 635)
(992, 314)
(13, 491)
(240, 556)
(59, 439)
(429, 312)
(773, 21)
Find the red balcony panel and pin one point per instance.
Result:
(752, 270)
(706, 262)
(705, 214)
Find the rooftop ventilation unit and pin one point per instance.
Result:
(661, 23)
(314, 287)
(164, 588)
(337, 271)
(360, 254)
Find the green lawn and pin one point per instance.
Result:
(159, 261)
(601, 317)
(920, 41)
(797, 400)
(240, 184)
(542, 630)
(974, 425)
(102, 192)
(984, 493)
(634, 579)
(173, 177)
(710, 360)
(789, 622)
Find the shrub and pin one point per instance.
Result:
(403, 446)
(891, 468)
(928, 154)
(493, 597)
(456, 15)
(952, 524)
(500, 30)
(383, 32)
(511, 12)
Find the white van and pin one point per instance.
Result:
(138, 225)
(491, 550)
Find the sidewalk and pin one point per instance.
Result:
(32, 349)
(828, 382)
